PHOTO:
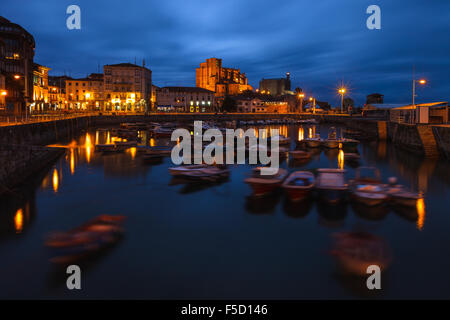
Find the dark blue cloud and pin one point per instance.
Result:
(322, 43)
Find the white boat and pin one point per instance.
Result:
(331, 185)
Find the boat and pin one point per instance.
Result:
(282, 140)
(181, 170)
(349, 144)
(331, 142)
(125, 144)
(87, 240)
(300, 155)
(265, 184)
(356, 251)
(369, 194)
(105, 148)
(109, 148)
(162, 132)
(299, 185)
(348, 156)
(159, 150)
(208, 173)
(331, 186)
(313, 142)
(399, 195)
(368, 189)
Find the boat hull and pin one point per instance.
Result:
(313, 143)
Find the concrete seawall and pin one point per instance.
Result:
(19, 162)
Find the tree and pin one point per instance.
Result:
(229, 105)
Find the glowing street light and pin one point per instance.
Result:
(16, 76)
(314, 104)
(301, 96)
(420, 81)
(4, 93)
(342, 91)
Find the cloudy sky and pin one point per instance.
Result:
(321, 43)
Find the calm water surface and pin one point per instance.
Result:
(214, 241)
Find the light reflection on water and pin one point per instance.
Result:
(198, 233)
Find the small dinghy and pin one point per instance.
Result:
(266, 184)
(181, 170)
(349, 144)
(367, 189)
(298, 185)
(106, 148)
(300, 155)
(356, 251)
(399, 195)
(282, 140)
(89, 239)
(314, 142)
(159, 150)
(351, 157)
(370, 195)
(331, 186)
(331, 142)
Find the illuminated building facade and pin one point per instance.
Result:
(223, 81)
(3, 91)
(40, 88)
(17, 72)
(57, 91)
(184, 99)
(86, 94)
(276, 87)
(128, 87)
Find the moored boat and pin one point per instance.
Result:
(331, 142)
(331, 186)
(313, 142)
(298, 185)
(86, 240)
(265, 184)
(300, 155)
(349, 144)
(370, 195)
(356, 251)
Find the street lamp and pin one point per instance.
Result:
(422, 82)
(301, 96)
(342, 92)
(314, 104)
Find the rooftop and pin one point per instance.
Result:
(187, 89)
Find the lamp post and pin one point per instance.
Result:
(342, 92)
(421, 81)
(301, 96)
(314, 104)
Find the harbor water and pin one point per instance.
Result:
(215, 241)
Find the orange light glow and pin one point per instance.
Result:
(420, 205)
(72, 162)
(422, 81)
(88, 145)
(341, 159)
(300, 134)
(133, 152)
(18, 221)
(152, 142)
(55, 180)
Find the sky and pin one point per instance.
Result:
(321, 43)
